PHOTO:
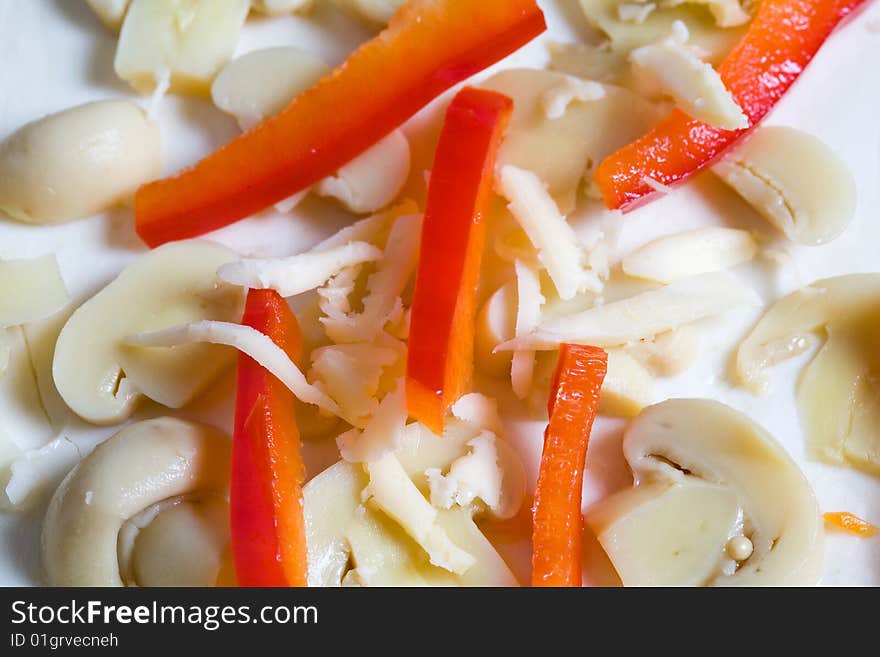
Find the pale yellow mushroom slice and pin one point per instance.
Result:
(624, 35)
(261, 83)
(185, 544)
(837, 392)
(78, 162)
(191, 39)
(101, 379)
(30, 290)
(668, 353)
(378, 12)
(563, 151)
(690, 253)
(357, 544)
(144, 465)
(715, 491)
(628, 387)
(110, 12)
(23, 422)
(787, 327)
(793, 180)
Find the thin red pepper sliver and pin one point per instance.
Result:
(440, 357)
(781, 40)
(266, 513)
(429, 46)
(558, 524)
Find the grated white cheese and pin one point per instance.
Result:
(656, 185)
(528, 316)
(163, 84)
(300, 273)
(556, 242)
(248, 340)
(695, 86)
(558, 97)
(384, 287)
(479, 410)
(350, 375)
(635, 12)
(643, 315)
(727, 13)
(382, 434)
(394, 493)
(476, 475)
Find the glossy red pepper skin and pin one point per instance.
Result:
(440, 358)
(266, 514)
(781, 40)
(558, 524)
(429, 46)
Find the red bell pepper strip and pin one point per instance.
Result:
(441, 342)
(782, 39)
(558, 523)
(429, 46)
(266, 514)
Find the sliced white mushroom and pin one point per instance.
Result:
(278, 7)
(557, 99)
(101, 379)
(144, 465)
(695, 85)
(692, 252)
(341, 531)
(635, 12)
(23, 422)
(643, 315)
(625, 35)
(192, 40)
(374, 178)
(111, 12)
(563, 151)
(706, 477)
(374, 11)
(261, 83)
(837, 392)
(30, 290)
(793, 180)
(78, 162)
(628, 387)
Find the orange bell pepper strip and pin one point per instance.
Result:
(266, 514)
(440, 359)
(558, 524)
(849, 522)
(782, 39)
(429, 46)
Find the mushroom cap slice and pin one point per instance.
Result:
(146, 464)
(680, 444)
(101, 379)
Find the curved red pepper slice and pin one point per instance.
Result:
(429, 46)
(266, 514)
(558, 523)
(781, 40)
